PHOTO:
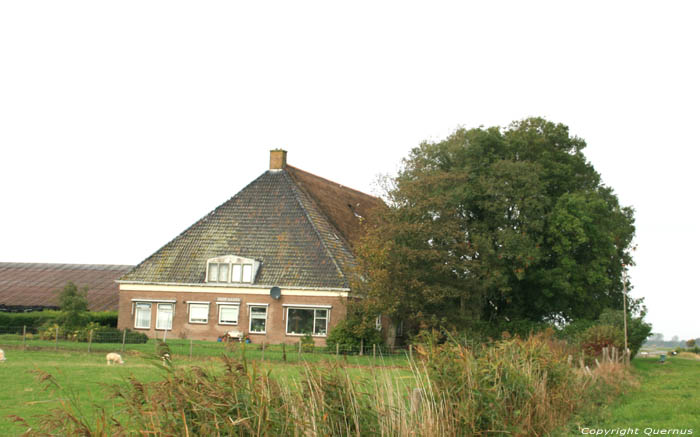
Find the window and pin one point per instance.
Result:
(247, 273)
(236, 275)
(231, 269)
(378, 323)
(399, 329)
(223, 272)
(301, 321)
(228, 314)
(258, 319)
(213, 272)
(199, 313)
(142, 317)
(164, 316)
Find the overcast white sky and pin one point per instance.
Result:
(122, 123)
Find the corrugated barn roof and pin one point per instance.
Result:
(38, 285)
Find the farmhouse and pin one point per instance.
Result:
(272, 263)
(36, 286)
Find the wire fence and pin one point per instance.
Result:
(130, 343)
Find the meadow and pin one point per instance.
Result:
(85, 379)
(663, 396)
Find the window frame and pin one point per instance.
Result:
(224, 305)
(189, 312)
(136, 311)
(313, 308)
(251, 317)
(172, 315)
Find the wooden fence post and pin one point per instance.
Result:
(90, 341)
(362, 346)
(56, 344)
(284, 351)
(24, 337)
(410, 352)
(190, 348)
(300, 347)
(374, 351)
(337, 349)
(123, 339)
(263, 350)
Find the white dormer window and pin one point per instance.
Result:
(232, 269)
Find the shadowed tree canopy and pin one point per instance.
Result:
(497, 224)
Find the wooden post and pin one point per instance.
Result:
(190, 348)
(410, 352)
(362, 346)
(90, 341)
(284, 351)
(337, 349)
(24, 337)
(374, 351)
(263, 350)
(56, 347)
(300, 347)
(123, 339)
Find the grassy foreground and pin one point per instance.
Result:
(86, 378)
(667, 398)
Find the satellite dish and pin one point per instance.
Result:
(275, 293)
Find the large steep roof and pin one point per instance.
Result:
(38, 285)
(299, 226)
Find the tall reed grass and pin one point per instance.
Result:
(515, 386)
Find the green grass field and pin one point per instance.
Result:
(198, 348)
(87, 377)
(667, 397)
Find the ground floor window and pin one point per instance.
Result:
(378, 323)
(307, 321)
(199, 313)
(142, 316)
(228, 314)
(258, 319)
(164, 316)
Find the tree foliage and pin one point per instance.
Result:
(497, 224)
(74, 306)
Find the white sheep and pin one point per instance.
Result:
(114, 358)
(2, 355)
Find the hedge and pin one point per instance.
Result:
(36, 319)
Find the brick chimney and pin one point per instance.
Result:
(278, 159)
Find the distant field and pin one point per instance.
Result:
(86, 376)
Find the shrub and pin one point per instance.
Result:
(595, 338)
(37, 319)
(349, 335)
(307, 343)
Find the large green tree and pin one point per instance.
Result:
(497, 224)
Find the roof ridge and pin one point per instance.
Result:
(299, 191)
(333, 182)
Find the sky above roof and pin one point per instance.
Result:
(123, 123)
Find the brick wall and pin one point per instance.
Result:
(275, 324)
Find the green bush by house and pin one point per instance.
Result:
(36, 319)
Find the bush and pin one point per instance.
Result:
(349, 335)
(307, 343)
(595, 338)
(38, 319)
